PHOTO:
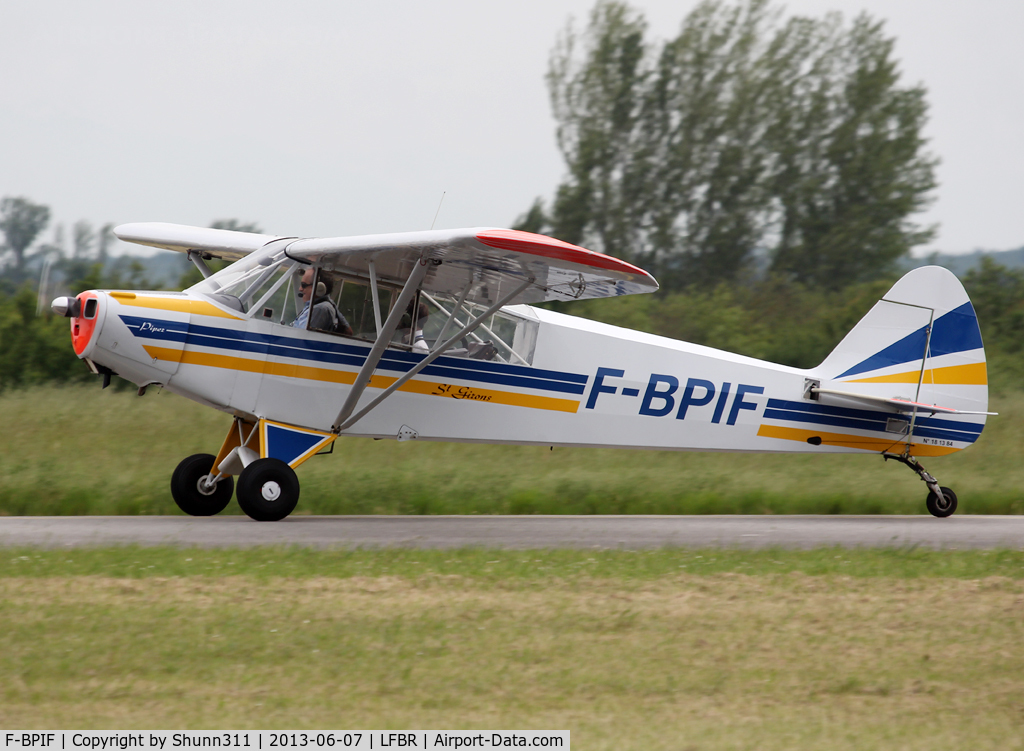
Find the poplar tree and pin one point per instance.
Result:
(21, 222)
(748, 134)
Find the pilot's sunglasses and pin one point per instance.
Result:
(303, 285)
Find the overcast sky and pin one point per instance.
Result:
(324, 118)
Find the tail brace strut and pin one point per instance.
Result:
(914, 464)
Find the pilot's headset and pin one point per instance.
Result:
(319, 291)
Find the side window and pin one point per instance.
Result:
(413, 326)
(355, 302)
(502, 336)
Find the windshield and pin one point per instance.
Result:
(260, 281)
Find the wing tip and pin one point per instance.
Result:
(181, 237)
(542, 245)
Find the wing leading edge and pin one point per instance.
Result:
(491, 260)
(214, 243)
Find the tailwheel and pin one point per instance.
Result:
(268, 490)
(941, 502)
(194, 489)
(941, 507)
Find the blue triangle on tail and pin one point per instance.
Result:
(956, 331)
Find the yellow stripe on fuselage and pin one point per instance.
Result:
(229, 362)
(849, 441)
(471, 393)
(972, 374)
(178, 305)
(288, 370)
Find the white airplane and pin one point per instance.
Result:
(428, 336)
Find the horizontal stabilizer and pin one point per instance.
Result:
(903, 405)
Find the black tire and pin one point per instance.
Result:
(937, 507)
(187, 492)
(268, 490)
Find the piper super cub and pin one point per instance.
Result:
(429, 336)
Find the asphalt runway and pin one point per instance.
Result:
(625, 532)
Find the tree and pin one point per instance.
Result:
(534, 220)
(998, 297)
(746, 134)
(597, 102)
(848, 195)
(82, 239)
(706, 161)
(56, 246)
(21, 221)
(234, 224)
(104, 239)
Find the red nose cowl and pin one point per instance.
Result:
(83, 325)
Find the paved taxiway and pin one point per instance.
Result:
(629, 532)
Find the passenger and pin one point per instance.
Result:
(405, 333)
(419, 342)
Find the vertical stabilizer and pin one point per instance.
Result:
(920, 342)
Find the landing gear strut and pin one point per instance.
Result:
(941, 502)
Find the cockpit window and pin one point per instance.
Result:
(276, 297)
(266, 285)
(503, 336)
(262, 284)
(355, 301)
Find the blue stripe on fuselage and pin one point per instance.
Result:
(340, 353)
(864, 419)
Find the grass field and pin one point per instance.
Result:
(81, 450)
(668, 649)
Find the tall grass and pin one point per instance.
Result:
(80, 450)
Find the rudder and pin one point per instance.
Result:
(920, 342)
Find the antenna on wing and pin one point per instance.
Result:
(438, 209)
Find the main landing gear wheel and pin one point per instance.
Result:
(941, 507)
(268, 490)
(190, 491)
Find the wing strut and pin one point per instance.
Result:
(376, 295)
(197, 258)
(451, 316)
(495, 338)
(383, 340)
(469, 327)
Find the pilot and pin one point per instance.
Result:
(324, 316)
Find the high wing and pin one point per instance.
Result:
(210, 243)
(485, 261)
(488, 261)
